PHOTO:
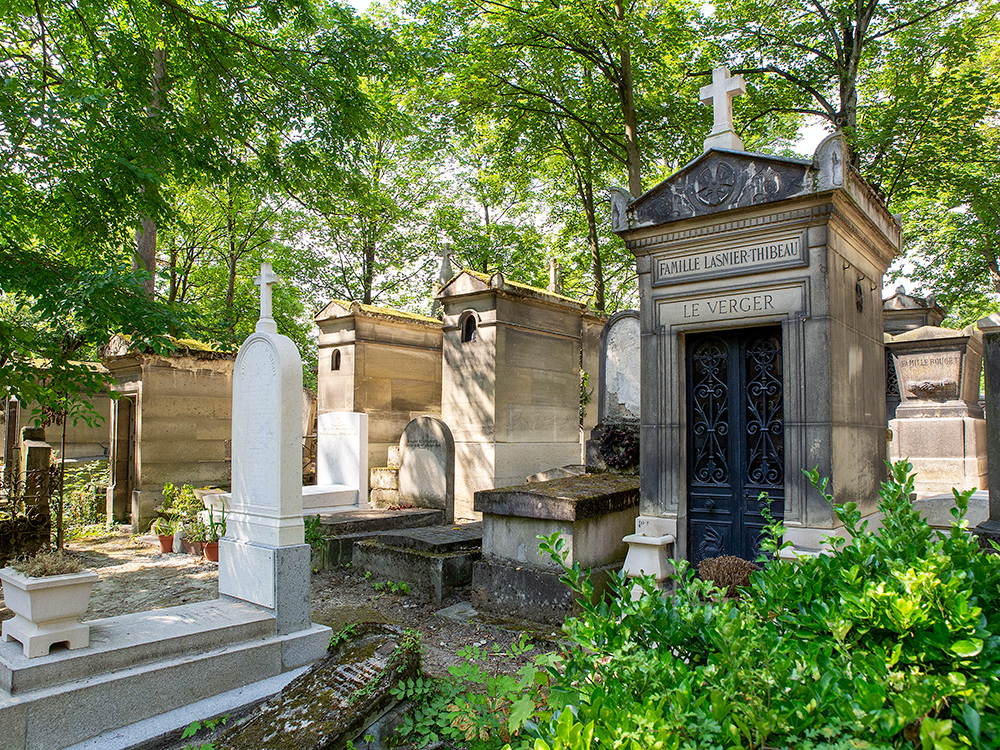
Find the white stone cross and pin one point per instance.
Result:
(720, 93)
(267, 277)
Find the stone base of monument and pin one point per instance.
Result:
(144, 665)
(592, 513)
(524, 591)
(319, 499)
(433, 561)
(988, 532)
(945, 452)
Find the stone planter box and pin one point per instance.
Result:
(47, 610)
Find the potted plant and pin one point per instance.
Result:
(47, 593)
(194, 535)
(216, 530)
(164, 528)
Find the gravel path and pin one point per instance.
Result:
(135, 577)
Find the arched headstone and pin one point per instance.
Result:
(427, 466)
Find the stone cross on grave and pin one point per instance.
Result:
(555, 285)
(720, 93)
(267, 277)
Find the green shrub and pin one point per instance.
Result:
(86, 501)
(889, 641)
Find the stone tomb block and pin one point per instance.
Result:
(427, 466)
(939, 425)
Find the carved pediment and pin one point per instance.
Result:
(720, 181)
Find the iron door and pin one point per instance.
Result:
(735, 440)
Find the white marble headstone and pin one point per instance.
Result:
(342, 450)
(267, 443)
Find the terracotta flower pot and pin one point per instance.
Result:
(166, 543)
(192, 548)
(212, 551)
(46, 610)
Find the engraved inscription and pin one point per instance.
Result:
(700, 263)
(752, 303)
(256, 409)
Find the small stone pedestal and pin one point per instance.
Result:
(592, 513)
(939, 425)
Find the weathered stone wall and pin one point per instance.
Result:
(183, 423)
(390, 369)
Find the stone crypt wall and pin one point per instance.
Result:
(511, 380)
(383, 363)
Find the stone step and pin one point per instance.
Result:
(436, 539)
(372, 520)
(383, 498)
(393, 462)
(135, 639)
(410, 557)
(59, 715)
(344, 530)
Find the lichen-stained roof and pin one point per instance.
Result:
(340, 308)
(121, 346)
(515, 286)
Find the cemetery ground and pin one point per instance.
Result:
(135, 577)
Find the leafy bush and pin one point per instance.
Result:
(891, 640)
(480, 707)
(85, 501)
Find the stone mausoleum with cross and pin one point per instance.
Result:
(760, 282)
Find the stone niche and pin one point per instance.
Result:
(171, 423)
(760, 282)
(511, 380)
(381, 362)
(939, 424)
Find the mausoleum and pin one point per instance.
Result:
(380, 362)
(170, 423)
(511, 380)
(760, 282)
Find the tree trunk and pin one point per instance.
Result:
(595, 248)
(145, 235)
(231, 241)
(626, 96)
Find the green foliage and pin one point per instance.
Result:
(478, 706)
(314, 533)
(399, 588)
(84, 501)
(196, 726)
(342, 636)
(891, 638)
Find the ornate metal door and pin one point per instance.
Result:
(735, 439)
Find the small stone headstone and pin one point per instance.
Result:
(620, 369)
(427, 466)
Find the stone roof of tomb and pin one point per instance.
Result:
(929, 333)
(722, 180)
(120, 345)
(498, 282)
(341, 309)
